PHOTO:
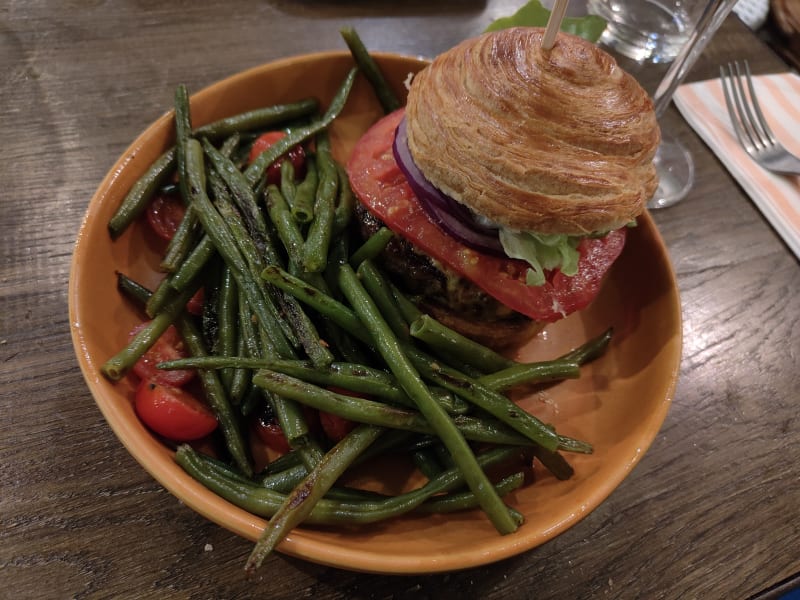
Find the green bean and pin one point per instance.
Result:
(381, 293)
(372, 247)
(230, 145)
(284, 481)
(285, 225)
(163, 294)
(255, 171)
(263, 502)
(240, 380)
(214, 463)
(492, 402)
(538, 372)
(216, 397)
(409, 379)
(140, 193)
(451, 343)
(590, 350)
(381, 290)
(449, 503)
(226, 243)
(301, 501)
(244, 198)
(118, 365)
(282, 337)
(372, 72)
(307, 334)
(199, 256)
(447, 377)
(443, 455)
(132, 289)
(345, 203)
(406, 306)
(320, 230)
(555, 463)
(183, 131)
(288, 187)
(227, 318)
(184, 276)
(302, 206)
(362, 410)
(425, 460)
(337, 312)
(281, 463)
(184, 238)
(353, 377)
(181, 242)
(260, 118)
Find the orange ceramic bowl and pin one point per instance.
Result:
(618, 404)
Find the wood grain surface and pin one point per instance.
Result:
(712, 511)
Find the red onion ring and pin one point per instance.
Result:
(450, 215)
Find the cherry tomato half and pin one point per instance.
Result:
(334, 426)
(271, 434)
(164, 214)
(195, 303)
(296, 155)
(173, 412)
(169, 346)
(266, 428)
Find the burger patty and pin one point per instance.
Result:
(433, 284)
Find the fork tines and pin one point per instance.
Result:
(749, 123)
(751, 126)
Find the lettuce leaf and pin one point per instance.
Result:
(533, 14)
(543, 252)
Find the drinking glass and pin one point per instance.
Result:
(664, 31)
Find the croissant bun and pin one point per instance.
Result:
(552, 141)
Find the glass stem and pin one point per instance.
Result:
(713, 15)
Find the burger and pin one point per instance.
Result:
(510, 179)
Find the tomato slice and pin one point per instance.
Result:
(296, 155)
(164, 214)
(169, 346)
(382, 188)
(173, 412)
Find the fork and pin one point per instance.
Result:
(749, 123)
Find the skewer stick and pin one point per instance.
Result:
(554, 24)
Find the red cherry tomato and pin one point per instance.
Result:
(334, 426)
(195, 304)
(271, 434)
(296, 155)
(164, 214)
(169, 346)
(173, 412)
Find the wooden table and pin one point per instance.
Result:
(712, 511)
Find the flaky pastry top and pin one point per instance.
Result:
(552, 141)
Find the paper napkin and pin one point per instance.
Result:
(702, 104)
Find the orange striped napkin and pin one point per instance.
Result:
(702, 104)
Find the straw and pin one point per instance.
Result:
(554, 24)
